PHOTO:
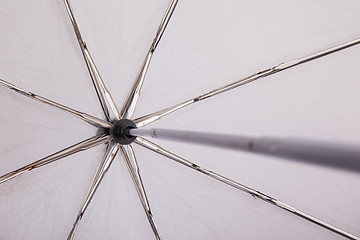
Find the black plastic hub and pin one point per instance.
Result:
(120, 131)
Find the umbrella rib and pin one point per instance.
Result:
(134, 171)
(84, 116)
(131, 102)
(81, 146)
(104, 165)
(103, 93)
(142, 121)
(156, 148)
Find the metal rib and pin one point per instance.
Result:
(86, 117)
(130, 104)
(103, 167)
(145, 120)
(142, 121)
(156, 148)
(81, 146)
(134, 171)
(103, 93)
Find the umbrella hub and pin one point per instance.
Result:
(120, 131)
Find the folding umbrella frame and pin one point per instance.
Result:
(114, 131)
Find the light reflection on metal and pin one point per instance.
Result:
(257, 194)
(134, 171)
(142, 121)
(86, 117)
(130, 104)
(104, 165)
(103, 93)
(145, 120)
(81, 146)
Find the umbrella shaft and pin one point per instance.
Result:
(338, 155)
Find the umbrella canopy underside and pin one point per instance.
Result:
(206, 45)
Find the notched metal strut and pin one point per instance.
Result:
(81, 146)
(103, 93)
(156, 148)
(128, 109)
(142, 121)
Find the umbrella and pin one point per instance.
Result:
(199, 47)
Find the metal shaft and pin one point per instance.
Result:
(333, 154)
